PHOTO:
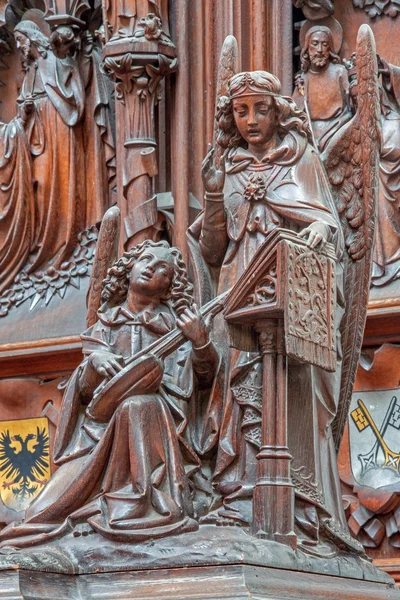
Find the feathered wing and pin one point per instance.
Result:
(352, 164)
(39, 458)
(106, 254)
(10, 461)
(203, 277)
(227, 68)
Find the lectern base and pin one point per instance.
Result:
(231, 582)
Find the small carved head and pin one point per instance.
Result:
(152, 26)
(255, 110)
(153, 269)
(318, 49)
(64, 41)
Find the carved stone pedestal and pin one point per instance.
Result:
(232, 582)
(214, 562)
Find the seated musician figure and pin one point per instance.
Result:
(126, 467)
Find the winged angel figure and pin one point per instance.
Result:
(263, 172)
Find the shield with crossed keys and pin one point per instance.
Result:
(374, 430)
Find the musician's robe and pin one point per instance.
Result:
(131, 478)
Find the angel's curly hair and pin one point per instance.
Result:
(116, 284)
(305, 61)
(288, 115)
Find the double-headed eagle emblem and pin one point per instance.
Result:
(24, 465)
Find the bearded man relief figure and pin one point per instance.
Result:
(322, 86)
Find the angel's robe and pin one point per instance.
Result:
(128, 478)
(292, 193)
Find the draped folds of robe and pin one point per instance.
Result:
(128, 478)
(98, 133)
(328, 101)
(294, 194)
(386, 256)
(54, 136)
(56, 170)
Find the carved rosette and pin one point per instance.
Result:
(315, 9)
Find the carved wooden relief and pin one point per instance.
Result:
(186, 257)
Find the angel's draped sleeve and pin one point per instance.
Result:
(214, 237)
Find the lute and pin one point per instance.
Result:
(143, 368)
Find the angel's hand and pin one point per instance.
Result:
(317, 234)
(105, 363)
(213, 178)
(194, 327)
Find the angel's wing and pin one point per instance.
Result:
(106, 254)
(227, 68)
(352, 164)
(202, 276)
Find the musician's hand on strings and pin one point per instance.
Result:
(193, 326)
(105, 363)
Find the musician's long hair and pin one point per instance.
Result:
(116, 284)
(288, 116)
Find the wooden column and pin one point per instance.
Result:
(138, 54)
(273, 500)
(279, 59)
(181, 128)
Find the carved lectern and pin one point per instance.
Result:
(288, 295)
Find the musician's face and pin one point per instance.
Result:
(152, 272)
(255, 118)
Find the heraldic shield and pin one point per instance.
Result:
(374, 427)
(24, 461)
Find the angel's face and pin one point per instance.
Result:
(152, 273)
(255, 118)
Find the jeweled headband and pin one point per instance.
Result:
(253, 84)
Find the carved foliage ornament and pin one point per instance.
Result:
(146, 78)
(318, 9)
(376, 8)
(42, 286)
